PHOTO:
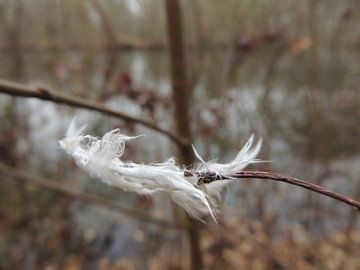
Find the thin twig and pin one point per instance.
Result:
(54, 185)
(208, 177)
(16, 89)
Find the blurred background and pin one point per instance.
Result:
(286, 71)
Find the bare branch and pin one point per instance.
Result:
(54, 185)
(208, 177)
(16, 89)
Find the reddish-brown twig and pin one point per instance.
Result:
(208, 177)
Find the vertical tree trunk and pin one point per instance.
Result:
(51, 24)
(313, 68)
(181, 99)
(314, 111)
(178, 77)
(112, 42)
(15, 39)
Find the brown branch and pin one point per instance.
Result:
(16, 89)
(205, 178)
(54, 185)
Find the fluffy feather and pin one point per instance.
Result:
(244, 157)
(215, 190)
(101, 158)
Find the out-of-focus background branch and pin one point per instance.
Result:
(53, 185)
(286, 71)
(16, 89)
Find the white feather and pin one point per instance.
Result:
(245, 156)
(215, 190)
(100, 158)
